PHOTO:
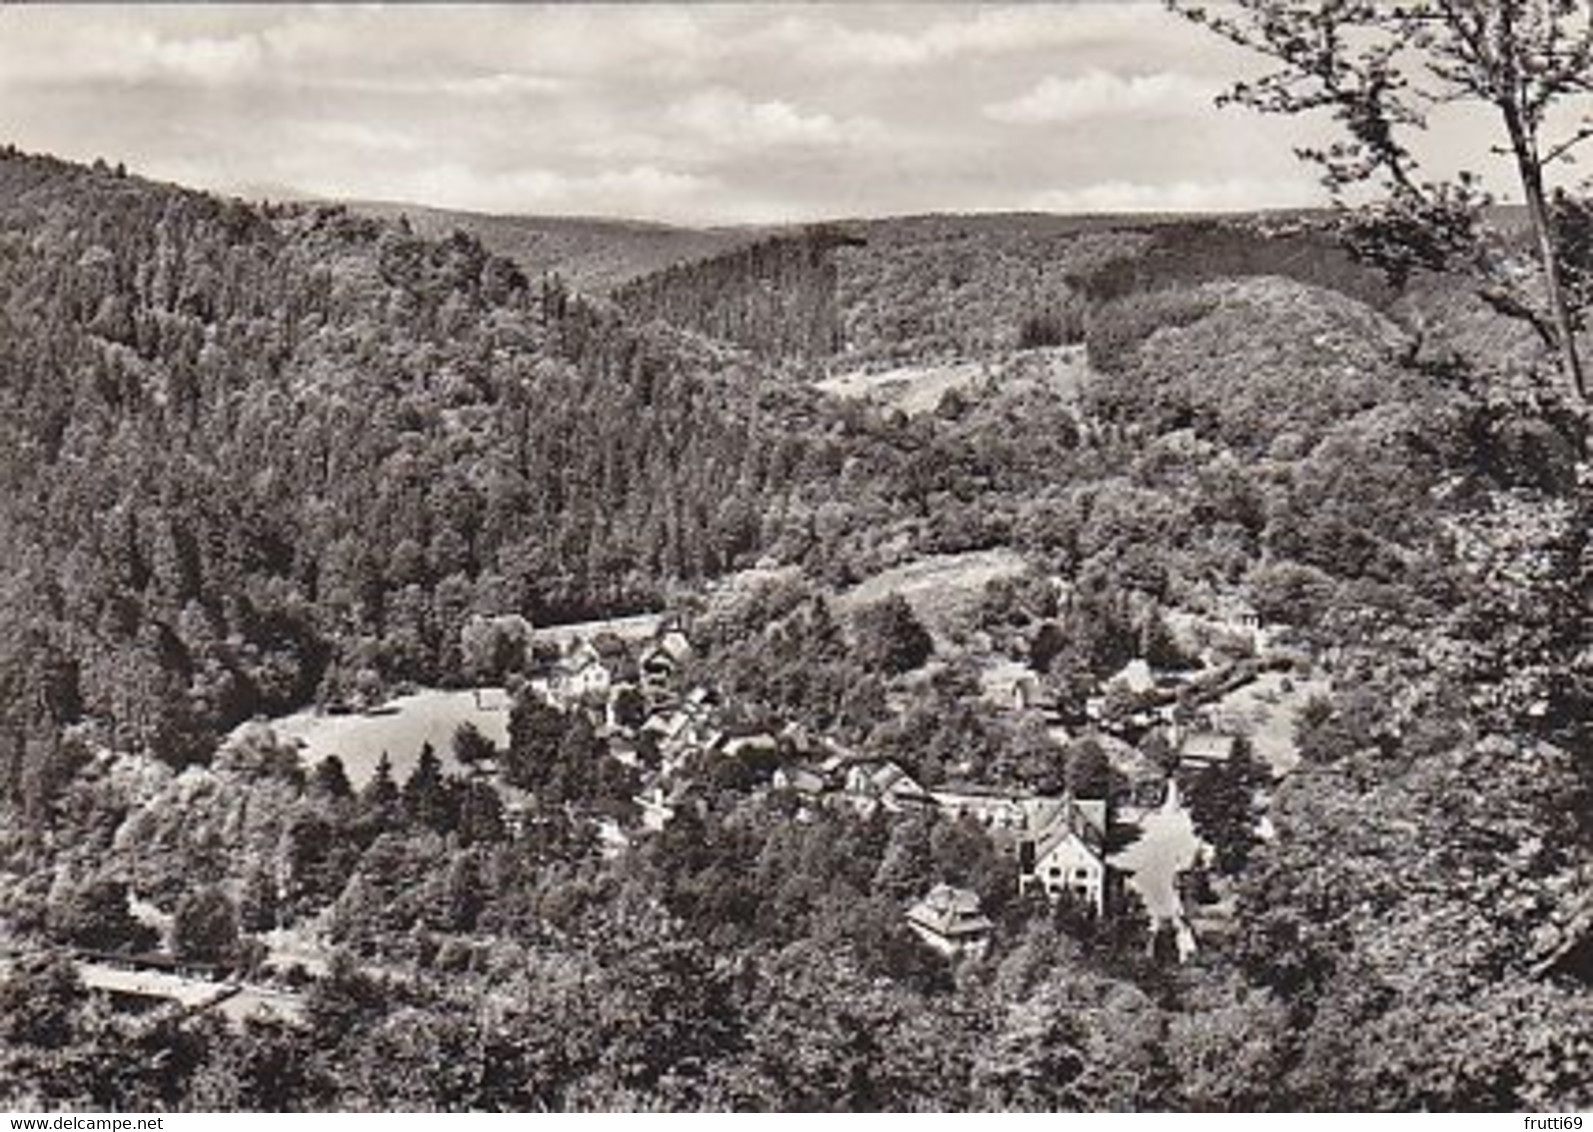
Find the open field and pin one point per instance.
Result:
(637, 627)
(918, 389)
(912, 389)
(235, 1001)
(1265, 710)
(398, 728)
(940, 588)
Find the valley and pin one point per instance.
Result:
(1092, 663)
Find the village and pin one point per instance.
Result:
(1109, 854)
(1244, 684)
(1127, 852)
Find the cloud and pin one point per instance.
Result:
(842, 43)
(503, 84)
(698, 112)
(1003, 31)
(1098, 93)
(497, 85)
(359, 135)
(54, 51)
(1234, 194)
(487, 50)
(208, 59)
(730, 119)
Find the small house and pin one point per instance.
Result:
(950, 921)
(993, 809)
(580, 675)
(1206, 748)
(659, 801)
(660, 661)
(803, 781)
(882, 784)
(591, 680)
(1135, 678)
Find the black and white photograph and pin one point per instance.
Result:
(796, 557)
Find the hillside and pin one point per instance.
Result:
(872, 295)
(254, 456)
(598, 255)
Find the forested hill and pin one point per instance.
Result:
(594, 255)
(900, 291)
(777, 298)
(881, 292)
(252, 455)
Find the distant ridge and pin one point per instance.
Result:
(597, 255)
(594, 254)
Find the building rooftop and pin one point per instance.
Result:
(950, 912)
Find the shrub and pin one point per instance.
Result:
(95, 915)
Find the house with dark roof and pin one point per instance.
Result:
(660, 662)
(873, 784)
(950, 921)
(683, 730)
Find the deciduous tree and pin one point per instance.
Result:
(205, 926)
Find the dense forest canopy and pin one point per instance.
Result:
(256, 457)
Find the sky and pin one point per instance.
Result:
(700, 114)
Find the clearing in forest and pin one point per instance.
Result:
(941, 588)
(399, 727)
(918, 389)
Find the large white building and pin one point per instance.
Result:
(1068, 855)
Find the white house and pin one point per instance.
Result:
(1135, 677)
(1068, 855)
(874, 784)
(590, 680)
(1206, 748)
(580, 675)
